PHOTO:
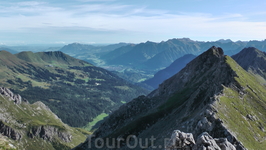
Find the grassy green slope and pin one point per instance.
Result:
(24, 117)
(235, 107)
(56, 58)
(91, 124)
(8, 59)
(29, 57)
(73, 89)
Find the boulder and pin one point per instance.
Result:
(180, 140)
(185, 141)
(206, 142)
(49, 133)
(224, 144)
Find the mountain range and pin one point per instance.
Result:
(8, 49)
(209, 101)
(153, 56)
(139, 62)
(73, 89)
(77, 48)
(89, 53)
(213, 96)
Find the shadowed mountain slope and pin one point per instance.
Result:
(211, 94)
(169, 71)
(253, 60)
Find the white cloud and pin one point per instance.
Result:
(30, 3)
(95, 0)
(104, 21)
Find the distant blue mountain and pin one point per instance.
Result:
(155, 56)
(8, 49)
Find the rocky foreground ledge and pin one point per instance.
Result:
(185, 141)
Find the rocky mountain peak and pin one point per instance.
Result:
(211, 62)
(56, 53)
(249, 49)
(252, 59)
(250, 52)
(214, 51)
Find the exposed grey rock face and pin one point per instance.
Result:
(13, 126)
(49, 133)
(224, 144)
(213, 59)
(204, 124)
(185, 141)
(5, 129)
(9, 132)
(180, 140)
(205, 141)
(14, 97)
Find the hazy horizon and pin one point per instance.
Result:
(104, 44)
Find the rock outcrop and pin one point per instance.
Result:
(9, 132)
(205, 141)
(180, 140)
(5, 129)
(185, 141)
(224, 144)
(13, 97)
(49, 133)
(26, 123)
(44, 132)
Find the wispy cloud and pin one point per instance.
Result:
(30, 3)
(102, 21)
(96, 0)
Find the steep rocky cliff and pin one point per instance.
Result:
(33, 126)
(211, 94)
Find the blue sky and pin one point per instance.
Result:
(134, 21)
